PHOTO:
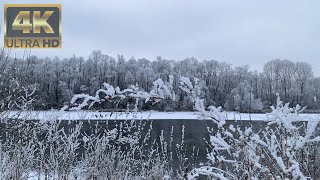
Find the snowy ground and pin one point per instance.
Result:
(152, 115)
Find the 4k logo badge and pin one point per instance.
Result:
(32, 25)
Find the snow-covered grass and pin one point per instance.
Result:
(32, 150)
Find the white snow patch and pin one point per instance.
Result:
(151, 115)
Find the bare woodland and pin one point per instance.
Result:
(233, 88)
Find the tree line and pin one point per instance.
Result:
(237, 88)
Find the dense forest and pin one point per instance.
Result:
(53, 82)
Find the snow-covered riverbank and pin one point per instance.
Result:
(152, 115)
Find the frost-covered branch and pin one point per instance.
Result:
(17, 96)
(161, 90)
(272, 153)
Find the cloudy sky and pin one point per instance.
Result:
(243, 32)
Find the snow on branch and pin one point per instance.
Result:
(275, 152)
(284, 115)
(160, 90)
(17, 96)
(211, 172)
(193, 91)
(86, 98)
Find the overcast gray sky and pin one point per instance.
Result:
(245, 32)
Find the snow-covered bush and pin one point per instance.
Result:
(160, 91)
(51, 150)
(280, 150)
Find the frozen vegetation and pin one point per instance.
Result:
(52, 148)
